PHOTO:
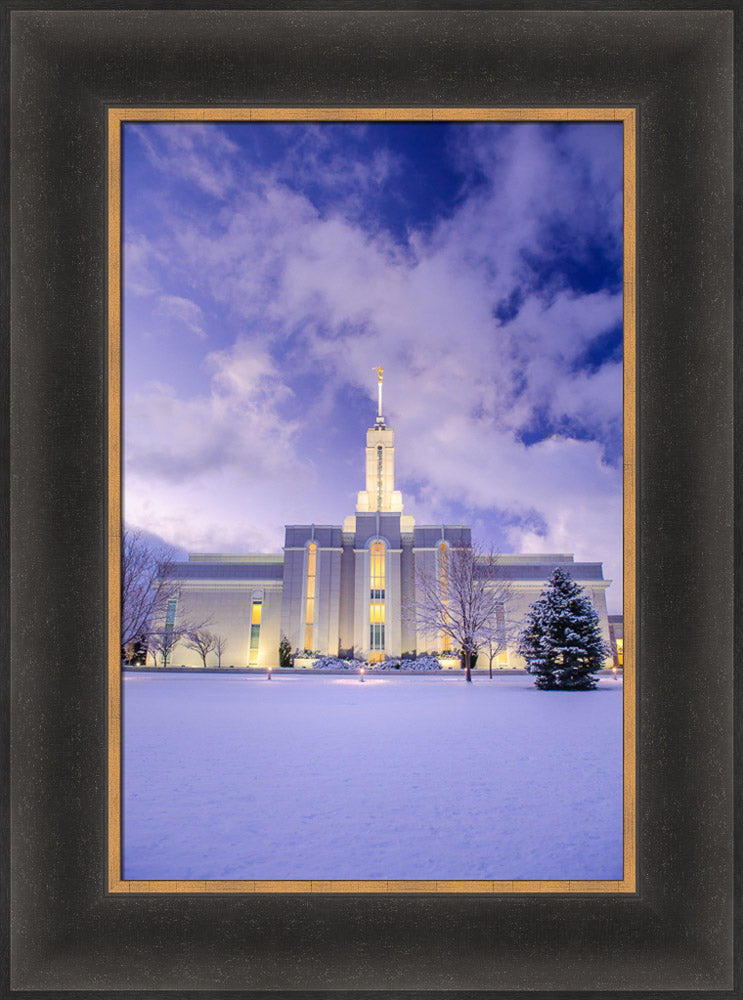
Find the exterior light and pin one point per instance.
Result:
(269, 673)
(362, 675)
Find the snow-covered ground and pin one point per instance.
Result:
(236, 777)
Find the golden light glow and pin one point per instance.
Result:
(309, 613)
(376, 602)
(255, 631)
(444, 589)
(377, 566)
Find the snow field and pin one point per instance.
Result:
(307, 777)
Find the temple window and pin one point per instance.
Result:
(444, 590)
(376, 602)
(256, 612)
(309, 616)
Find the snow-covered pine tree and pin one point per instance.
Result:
(561, 640)
(285, 652)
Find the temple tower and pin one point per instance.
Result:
(380, 493)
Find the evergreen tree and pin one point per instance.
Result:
(561, 640)
(285, 652)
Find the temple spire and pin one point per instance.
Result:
(380, 494)
(380, 418)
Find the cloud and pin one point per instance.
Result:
(183, 310)
(200, 468)
(198, 152)
(339, 180)
(140, 259)
(236, 421)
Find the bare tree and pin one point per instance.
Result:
(147, 584)
(201, 640)
(465, 607)
(220, 645)
(161, 642)
(500, 635)
(493, 646)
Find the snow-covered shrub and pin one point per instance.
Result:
(388, 665)
(391, 663)
(335, 663)
(425, 663)
(421, 663)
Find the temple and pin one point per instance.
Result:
(340, 590)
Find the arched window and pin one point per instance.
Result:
(376, 602)
(309, 615)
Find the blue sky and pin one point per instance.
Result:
(269, 267)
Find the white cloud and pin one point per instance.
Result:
(140, 255)
(347, 181)
(201, 468)
(183, 310)
(194, 151)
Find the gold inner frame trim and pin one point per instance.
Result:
(116, 116)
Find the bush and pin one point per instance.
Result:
(335, 663)
(420, 663)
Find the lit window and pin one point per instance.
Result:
(309, 616)
(255, 630)
(444, 590)
(170, 614)
(620, 651)
(376, 602)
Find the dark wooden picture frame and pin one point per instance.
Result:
(67, 932)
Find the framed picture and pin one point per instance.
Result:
(667, 928)
(531, 214)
